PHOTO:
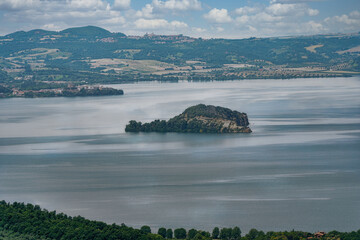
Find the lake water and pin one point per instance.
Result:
(299, 169)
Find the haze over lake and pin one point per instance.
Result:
(299, 169)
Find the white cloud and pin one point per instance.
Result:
(246, 10)
(273, 18)
(52, 27)
(122, 4)
(355, 14)
(155, 24)
(113, 21)
(218, 16)
(277, 19)
(178, 24)
(313, 27)
(312, 12)
(198, 30)
(18, 4)
(295, 1)
(348, 22)
(146, 12)
(158, 8)
(252, 29)
(179, 5)
(280, 9)
(86, 4)
(265, 17)
(60, 14)
(220, 29)
(243, 19)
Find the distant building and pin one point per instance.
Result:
(319, 234)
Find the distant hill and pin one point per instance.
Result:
(88, 31)
(93, 55)
(30, 34)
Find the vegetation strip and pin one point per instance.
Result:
(26, 221)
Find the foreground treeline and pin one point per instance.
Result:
(26, 221)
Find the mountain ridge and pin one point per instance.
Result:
(86, 31)
(93, 55)
(103, 30)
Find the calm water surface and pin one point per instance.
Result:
(299, 169)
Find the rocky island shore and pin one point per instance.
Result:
(197, 119)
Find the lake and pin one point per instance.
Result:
(299, 169)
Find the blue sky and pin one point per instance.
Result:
(198, 18)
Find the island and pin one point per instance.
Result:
(68, 91)
(197, 119)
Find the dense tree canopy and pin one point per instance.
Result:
(21, 221)
(180, 233)
(162, 232)
(200, 118)
(30, 219)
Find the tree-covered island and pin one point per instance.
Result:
(197, 119)
(51, 90)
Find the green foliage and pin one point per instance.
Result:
(75, 93)
(169, 233)
(213, 112)
(145, 229)
(10, 235)
(19, 221)
(192, 233)
(5, 90)
(28, 69)
(215, 233)
(191, 121)
(162, 232)
(4, 77)
(225, 233)
(254, 234)
(180, 233)
(38, 85)
(30, 219)
(89, 31)
(236, 233)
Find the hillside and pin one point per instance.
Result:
(197, 119)
(92, 55)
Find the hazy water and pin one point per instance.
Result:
(299, 169)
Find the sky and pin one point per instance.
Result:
(196, 18)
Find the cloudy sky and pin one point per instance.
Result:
(199, 18)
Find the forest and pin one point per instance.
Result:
(22, 221)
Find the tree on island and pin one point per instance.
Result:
(200, 118)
